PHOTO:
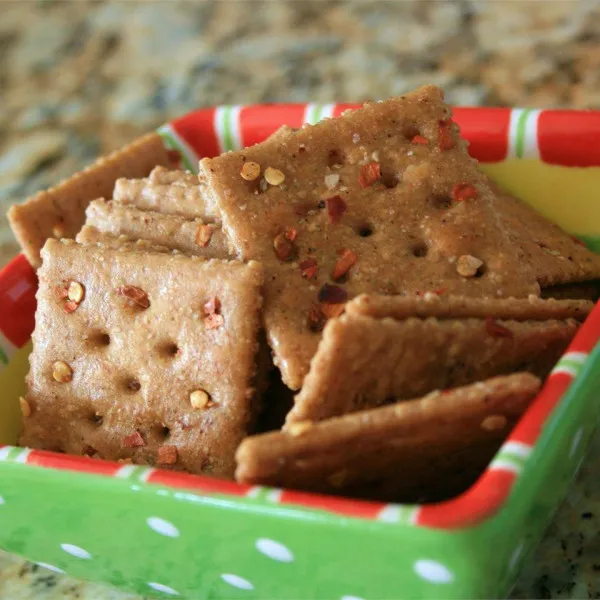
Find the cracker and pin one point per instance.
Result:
(137, 354)
(449, 307)
(403, 231)
(169, 192)
(363, 362)
(191, 236)
(554, 256)
(91, 236)
(397, 452)
(60, 211)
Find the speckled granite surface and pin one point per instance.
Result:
(78, 79)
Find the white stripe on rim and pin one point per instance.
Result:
(327, 111)
(134, 472)
(190, 156)
(576, 357)
(517, 448)
(399, 513)
(274, 496)
(523, 133)
(313, 113)
(505, 465)
(22, 456)
(226, 124)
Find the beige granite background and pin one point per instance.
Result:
(78, 79)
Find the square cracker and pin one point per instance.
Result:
(169, 192)
(430, 447)
(134, 368)
(405, 229)
(60, 211)
(554, 256)
(191, 236)
(91, 236)
(363, 362)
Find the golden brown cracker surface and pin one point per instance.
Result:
(400, 451)
(169, 192)
(191, 236)
(60, 211)
(364, 362)
(359, 202)
(156, 357)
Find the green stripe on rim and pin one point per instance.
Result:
(591, 241)
(3, 356)
(226, 128)
(313, 114)
(506, 457)
(171, 144)
(571, 365)
(520, 134)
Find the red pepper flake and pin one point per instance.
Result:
(135, 296)
(497, 330)
(309, 268)
(70, 306)
(290, 234)
(369, 174)
(420, 140)
(316, 319)
(135, 440)
(212, 317)
(62, 291)
(346, 260)
(463, 191)
(332, 294)
(332, 310)
(446, 141)
(203, 235)
(284, 247)
(336, 207)
(578, 241)
(439, 291)
(167, 455)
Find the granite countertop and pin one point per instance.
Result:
(78, 79)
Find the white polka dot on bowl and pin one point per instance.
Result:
(274, 550)
(165, 589)
(237, 581)
(351, 598)
(76, 551)
(433, 571)
(163, 527)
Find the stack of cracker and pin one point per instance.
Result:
(413, 306)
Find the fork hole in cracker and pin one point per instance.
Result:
(440, 201)
(364, 230)
(419, 249)
(131, 385)
(335, 157)
(410, 131)
(96, 419)
(161, 431)
(390, 179)
(168, 349)
(99, 338)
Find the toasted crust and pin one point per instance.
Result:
(191, 236)
(60, 211)
(458, 307)
(398, 452)
(406, 230)
(169, 192)
(363, 362)
(135, 363)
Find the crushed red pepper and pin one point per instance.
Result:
(446, 141)
(420, 140)
(336, 207)
(309, 268)
(463, 191)
(135, 440)
(497, 330)
(369, 174)
(332, 294)
(212, 316)
(346, 260)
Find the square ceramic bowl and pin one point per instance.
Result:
(168, 534)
